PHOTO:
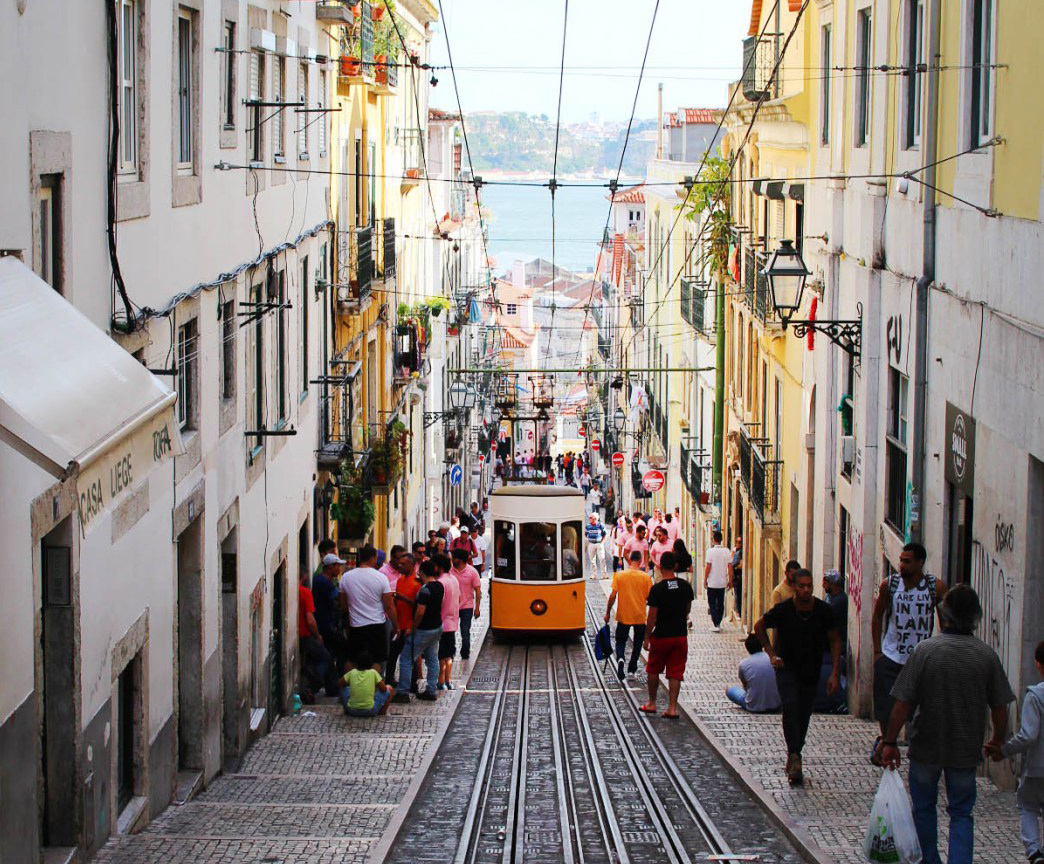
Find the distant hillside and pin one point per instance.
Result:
(515, 141)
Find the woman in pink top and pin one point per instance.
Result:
(661, 543)
(450, 623)
(470, 585)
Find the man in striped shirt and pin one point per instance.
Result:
(594, 531)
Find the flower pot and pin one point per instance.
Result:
(380, 65)
(377, 12)
(351, 67)
(436, 311)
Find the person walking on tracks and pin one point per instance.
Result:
(594, 533)
(666, 635)
(806, 626)
(631, 587)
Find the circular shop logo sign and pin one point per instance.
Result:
(959, 447)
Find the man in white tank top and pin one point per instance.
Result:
(904, 615)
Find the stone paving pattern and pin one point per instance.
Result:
(834, 804)
(321, 788)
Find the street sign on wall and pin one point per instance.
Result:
(618, 459)
(583, 431)
(596, 445)
(456, 475)
(653, 480)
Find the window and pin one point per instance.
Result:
(302, 96)
(981, 71)
(323, 119)
(188, 364)
(228, 76)
(279, 120)
(358, 169)
(504, 549)
(49, 259)
(302, 321)
(255, 407)
(572, 567)
(280, 278)
(537, 546)
(895, 450)
(863, 61)
(255, 131)
(912, 84)
(228, 349)
(128, 94)
(185, 107)
(512, 308)
(824, 85)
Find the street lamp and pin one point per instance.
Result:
(461, 396)
(619, 418)
(786, 274)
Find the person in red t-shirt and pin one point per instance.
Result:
(406, 588)
(465, 543)
(316, 666)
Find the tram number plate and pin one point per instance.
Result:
(641, 837)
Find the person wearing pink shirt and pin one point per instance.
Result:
(389, 568)
(673, 526)
(617, 537)
(655, 522)
(638, 543)
(470, 584)
(450, 620)
(660, 544)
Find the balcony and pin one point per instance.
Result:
(355, 285)
(636, 483)
(384, 264)
(691, 469)
(333, 12)
(411, 141)
(356, 46)
(694, 304)
(759, 59)
(760, 477)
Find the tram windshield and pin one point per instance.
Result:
(571, 564)
(504, 549)
(537, 546)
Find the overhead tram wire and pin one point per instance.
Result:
(554, 179)
(735, 157)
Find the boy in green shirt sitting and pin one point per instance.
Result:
(363, 691)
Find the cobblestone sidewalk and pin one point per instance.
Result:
(834, 804)
(321, 788)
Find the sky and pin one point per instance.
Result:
(508, 54)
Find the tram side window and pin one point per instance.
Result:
(504, 549)
(572, 567)
(538, 551)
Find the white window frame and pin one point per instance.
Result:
(323, 119)
(127, 22)
(913, 81)
(49, 266)
(256, 93)
(512, 309)
(863, 81)
(228, 75)
(826, 49)
(188, 374)
(302, 97)
(186, 107)
(279, 120)
(982, 78)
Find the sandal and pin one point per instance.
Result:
(647, 709)
(667, 716)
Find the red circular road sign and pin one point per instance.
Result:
(583, 432)
(596, 445)
(653, 480)
(618, 459)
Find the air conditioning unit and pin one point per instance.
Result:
(262, 40)
(848, 449)
(285, 47)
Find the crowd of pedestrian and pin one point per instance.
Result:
(389, 628)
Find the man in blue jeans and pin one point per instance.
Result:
(423, 640)
(952, 681)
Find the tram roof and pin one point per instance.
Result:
(539, 492)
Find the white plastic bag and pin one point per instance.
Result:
(891, 837)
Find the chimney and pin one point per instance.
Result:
(518, 276)
(659, 121)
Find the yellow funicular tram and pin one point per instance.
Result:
(537, 585)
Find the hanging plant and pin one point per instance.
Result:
(353, 509)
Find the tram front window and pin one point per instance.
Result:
(571, 563)
(537, 551)
(504, 549)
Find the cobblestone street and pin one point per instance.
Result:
(320, 788)
(833, 806)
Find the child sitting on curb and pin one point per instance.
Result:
(363, 691)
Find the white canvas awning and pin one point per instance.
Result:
(71, 399)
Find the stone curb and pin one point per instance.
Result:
(379, 852)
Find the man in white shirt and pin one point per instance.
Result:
(367, 598)
(481, 542)
(717, 577)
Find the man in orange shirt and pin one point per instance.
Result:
(632, 587)
(405, 596)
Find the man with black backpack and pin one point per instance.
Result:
(904, 616)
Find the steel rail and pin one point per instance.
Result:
(567, 815)
(515, 816)
(654, 803)
(484, 776)
(719, 845)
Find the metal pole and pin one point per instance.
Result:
(718, 454)
(618, 371)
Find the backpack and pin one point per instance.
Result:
(603, 644)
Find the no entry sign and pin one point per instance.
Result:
(618, 459)
(652, 481)
(596, 445)
(583, 431)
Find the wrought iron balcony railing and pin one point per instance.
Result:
(759, 59)
(356, 265)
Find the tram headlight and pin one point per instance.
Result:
(538, 607)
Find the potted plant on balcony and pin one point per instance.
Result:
(386, 30)
(353, 509)
(437, 304)
(351, 50)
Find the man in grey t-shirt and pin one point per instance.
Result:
(952, 681)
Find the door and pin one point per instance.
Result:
(189, 657)
(231, 714)
(277, 642)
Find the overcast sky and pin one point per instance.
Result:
(696, 50)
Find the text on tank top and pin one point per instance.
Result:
(912, 616)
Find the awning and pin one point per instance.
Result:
(778, 190)
(72, 400)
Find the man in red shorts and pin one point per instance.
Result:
(670, 601)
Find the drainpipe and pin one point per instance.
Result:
(719, 391)
(920, 328)
(659, 121)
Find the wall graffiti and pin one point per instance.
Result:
(894, 338)
(996, 589)
(1004, 537)
(855, 571)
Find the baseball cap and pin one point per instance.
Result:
(834, 577)
(464, 529)
(330, 558)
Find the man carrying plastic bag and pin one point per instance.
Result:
(891, 837)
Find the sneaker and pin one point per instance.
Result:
(401, 699)
(448, 686)
(427, 696)
(715, 629)
(620, 669)
(1037, 858)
